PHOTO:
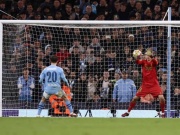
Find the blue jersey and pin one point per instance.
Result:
(52, 76)
(124, 90)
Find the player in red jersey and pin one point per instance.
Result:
(150, 84)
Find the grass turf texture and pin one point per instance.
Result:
(88, 126)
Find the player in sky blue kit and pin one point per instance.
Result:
(51, 77)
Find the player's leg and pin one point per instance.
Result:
(131, 106)
(42, 103)
(62, 94)
(162, 105)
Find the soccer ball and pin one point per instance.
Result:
(136, 53)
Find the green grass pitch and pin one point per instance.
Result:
(89, 126)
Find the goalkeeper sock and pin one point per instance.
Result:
(162, 105)
(68, 104)
(131, 106)
(40, 107)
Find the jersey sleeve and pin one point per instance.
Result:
(42, 76)
(154, 62)
(139, 62)
(62, 75)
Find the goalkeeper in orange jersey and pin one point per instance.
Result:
(59, 107)
(150, 84)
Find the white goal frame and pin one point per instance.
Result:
(51, 22)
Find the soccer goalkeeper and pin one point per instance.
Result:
(150, 84)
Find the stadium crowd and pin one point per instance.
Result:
(93, 59)
(88, 9)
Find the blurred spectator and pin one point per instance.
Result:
(163, 78)
(164, 5)
(21, 7)
(66, 36)
(136, 77)
(91, 87)
(77, 34)
(68, 12)
(90, 61)
(56, 7)
(80, 89)
(124, 89)
(74, 57)
(72, 78)
(131, 5)
(44, 4)
(139, 8)
(131, 42)
(157, 12)
(76, 43)
(111, 61)
(17, 44)
(104, 8)
(30, 11)
(25, 85)
(37, 16)
(94, 6)
(47, 53)
(58, 16)
(175, 14)
(82, 61)
(77, 13)
(123, 14)
(89, 12)
(148, 14)
(176, 101)
(112, 83)
(96, 46)
(83, 5)
(63, 53)
(103, 89)
(97, 68)
(10, 82)
(126, 52)
(175, 4)
(128, 63)
(117, 7)
(100, 17)
(48, 38)
(37, 68)
(148, 4)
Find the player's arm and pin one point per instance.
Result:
(115, 91)
(64, 78)
(139, 61)
(155, 61)
(42, 77)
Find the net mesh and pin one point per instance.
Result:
(93, 58)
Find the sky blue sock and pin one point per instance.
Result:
(68, 104)
(40, 107)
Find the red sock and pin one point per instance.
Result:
(131, 105)
(162, 105)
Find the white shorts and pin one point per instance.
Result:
(59, 94)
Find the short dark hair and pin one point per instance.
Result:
(24, 69)
(53, 59)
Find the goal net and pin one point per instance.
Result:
(94, 57)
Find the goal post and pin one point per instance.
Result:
(105, 29)
(168, 98)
